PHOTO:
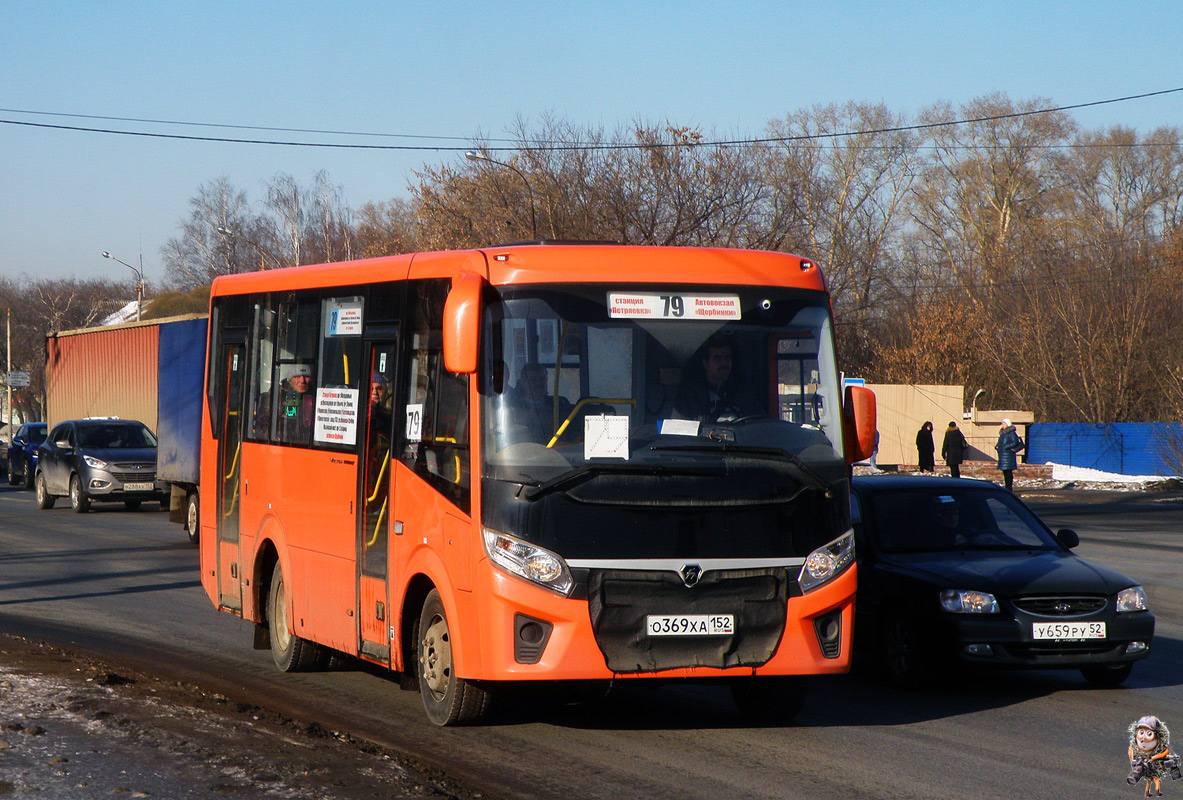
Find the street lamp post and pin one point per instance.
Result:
(222, 229)
(481, 155)
(139, 273)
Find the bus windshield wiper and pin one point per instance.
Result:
(574, 475)
(769, 453)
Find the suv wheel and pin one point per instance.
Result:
(79, 502)
(11, 472)
(44, 498)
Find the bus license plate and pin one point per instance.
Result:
(1061, 631)
(138, 487)
(690, 624)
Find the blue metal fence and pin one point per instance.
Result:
(1123, 448)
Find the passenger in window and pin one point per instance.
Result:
(296, 407)
(711, 392)
(534, 407)
(380, 400)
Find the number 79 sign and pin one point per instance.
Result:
(415, 422)
(633, 305)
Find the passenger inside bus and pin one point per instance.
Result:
(295, 412)
(536, 411)
(711, 390)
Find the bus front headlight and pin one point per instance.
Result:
(535, 564)
(827, 561)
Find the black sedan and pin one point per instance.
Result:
(962, 571)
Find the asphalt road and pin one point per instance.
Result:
(125, 585)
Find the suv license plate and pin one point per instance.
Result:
(138, 487)
(1062, 631)
(690, 624)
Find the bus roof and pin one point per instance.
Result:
(549, 263)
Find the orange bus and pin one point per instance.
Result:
(536, 462)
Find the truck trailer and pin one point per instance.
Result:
(152, 371)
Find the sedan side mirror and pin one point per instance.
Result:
(1068, 537)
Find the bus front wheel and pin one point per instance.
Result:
(448, 699)
(291, 653)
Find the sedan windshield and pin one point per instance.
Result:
(583, 383)
(933, 520)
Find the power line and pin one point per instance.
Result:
(544, 147)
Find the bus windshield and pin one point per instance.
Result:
(581, 380)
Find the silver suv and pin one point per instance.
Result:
(109, 460)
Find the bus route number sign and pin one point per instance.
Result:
(656, 305)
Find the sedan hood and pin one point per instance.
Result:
(1011, 573)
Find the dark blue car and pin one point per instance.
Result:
(22, 453)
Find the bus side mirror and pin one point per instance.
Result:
(462, 323)
(858, 423)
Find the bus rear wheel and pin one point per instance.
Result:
(447, 698)
(290, 652)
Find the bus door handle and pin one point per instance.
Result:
(397, 527)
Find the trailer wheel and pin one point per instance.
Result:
(447, 699)
(45, 500)
(191, 517)
(291, 653)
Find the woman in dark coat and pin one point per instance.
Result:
(925, 447)
(953, 449)
(1008, 447)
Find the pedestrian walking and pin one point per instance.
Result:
(953, 449)
(925, 448)
(1008, 447)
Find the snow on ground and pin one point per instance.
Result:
(1067, 474)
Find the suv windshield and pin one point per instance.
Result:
(581, 382)
(36, 434)
(115, 436)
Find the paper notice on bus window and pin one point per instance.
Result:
(345, 317)
(647, 305)
(605, 436)
(336, 416)
(678, 427)
(415, 422)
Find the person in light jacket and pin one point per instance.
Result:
(1008, 447)
(953, 449)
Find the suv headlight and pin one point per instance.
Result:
(1131, 599)
(535, 564)
(968, 601)
(827, 561)
(94, 463)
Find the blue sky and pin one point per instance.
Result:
(461, 69)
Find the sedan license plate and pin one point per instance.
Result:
(138, 487)
(1063, 631)
(690, 624)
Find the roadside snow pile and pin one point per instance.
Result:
(1065, 474)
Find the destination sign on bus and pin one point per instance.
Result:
(636, 305)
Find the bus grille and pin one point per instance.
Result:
(620, 601)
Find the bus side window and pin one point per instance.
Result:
(436, 418)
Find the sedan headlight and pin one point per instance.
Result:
(968, 601)
(827, 561)
(535, 564)
(1131, 599)
(94, 463)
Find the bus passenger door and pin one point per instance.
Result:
(233, 363)
(373, 519)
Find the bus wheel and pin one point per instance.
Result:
(78, 499)
(448, 699)
(191, 519)
(770, 698)
(291, 653)
(44, 498)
